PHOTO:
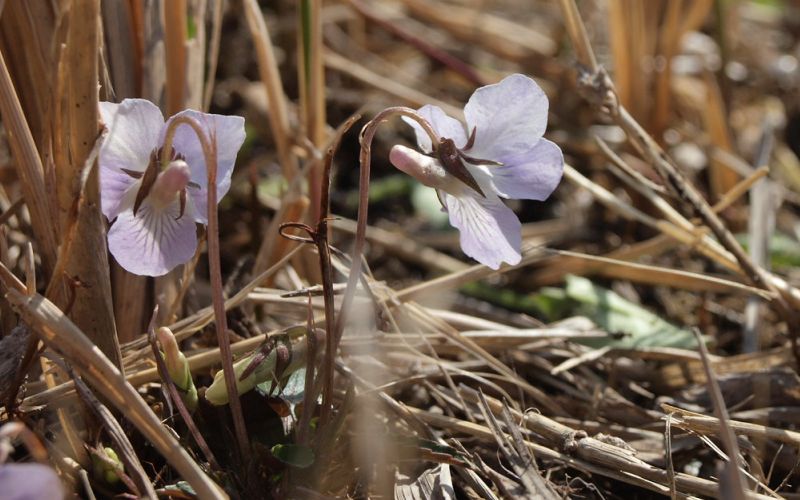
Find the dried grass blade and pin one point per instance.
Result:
(697, 240)
(453, 63)
(120, 49)
(213, 52)
(539, 396)
(153, 52)
(498, 35)
(735, 487)
(61, 334)
(761, 226)
(84, 251)
(694, 421)
(118, 436)
(517, 454)
(271, 79)
(630, 472)
(195, 53)
(29, 169)
(460, 277)
(129, 292)
(175, 22)
(645, 273)
(411, 96)
(312, 95)
(716, 121)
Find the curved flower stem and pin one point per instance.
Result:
(367, 134)
(319, 237)
(209, 145)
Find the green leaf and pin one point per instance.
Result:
(382, 189)
(294, 455)
(552, 302)
(292, 392)
(784, 251)
(191, 28)
(630, 325)
(265, 370)
(294, 388)
(634, 325)
(503, 297)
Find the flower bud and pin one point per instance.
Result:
(177, 367)
(283, 358)
(108, 466)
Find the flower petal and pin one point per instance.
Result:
(153, 242)
(133, 126)
(19, 481)
(443, 125)
(490, 232)
(532, 175)
(117, 192)
(510, 117)
(229, 134)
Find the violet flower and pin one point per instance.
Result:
(154, 210)
(501, 154)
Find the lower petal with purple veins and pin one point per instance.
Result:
(154, 241)
(489, 230)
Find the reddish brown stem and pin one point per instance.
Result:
(367, 134)
(319, 237)
(209, 145)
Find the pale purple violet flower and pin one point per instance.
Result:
(26, 481)
(505, 156)
(153, 229)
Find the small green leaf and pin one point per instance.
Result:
(504, 297)
(185, 487)
(382, 189)
(552, 302)
(292, 392)
(784, 251)
(294, 389)
(294, 455)
(191, 28)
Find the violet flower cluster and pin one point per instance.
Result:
(500, 154)
(153, 207)
(154, 210)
